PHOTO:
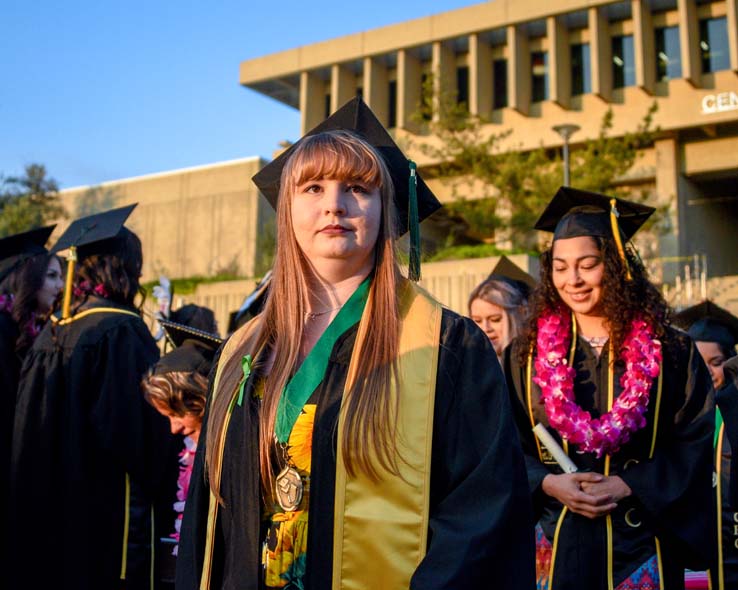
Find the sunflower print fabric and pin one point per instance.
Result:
(284, 552)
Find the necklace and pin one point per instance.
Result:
(641, 353)
(595, 341)
(311, 315)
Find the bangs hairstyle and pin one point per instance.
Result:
(334, 156)
(368, 437)
(181, 392)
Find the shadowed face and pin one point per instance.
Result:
(52, 285)
(186, 425)
(712, 354)
(493, 321)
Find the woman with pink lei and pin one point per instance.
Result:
(627, 401)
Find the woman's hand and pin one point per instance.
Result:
(615, 487)
(577, 491)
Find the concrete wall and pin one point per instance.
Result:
(197, 221)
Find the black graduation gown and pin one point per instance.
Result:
(82, 424)
(481, 531)
(9, 368)
(672, 492)
(726, 397)
(728, 405)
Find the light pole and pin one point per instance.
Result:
(566, 131)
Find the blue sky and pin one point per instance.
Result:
(99, 90)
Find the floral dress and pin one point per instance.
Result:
(284, 550)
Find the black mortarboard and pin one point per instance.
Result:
(356, 116)
(19, 247)
(90, 234)
(708, 322)
(194, 349)
(573, 213)
(506, 270)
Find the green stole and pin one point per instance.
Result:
(384, 523)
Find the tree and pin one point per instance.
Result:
(28, 201)
(512, 186)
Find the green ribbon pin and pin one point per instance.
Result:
(246, 368)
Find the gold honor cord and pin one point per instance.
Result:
(616, 235)
(68, 283)
(718, 488)
(608, 518)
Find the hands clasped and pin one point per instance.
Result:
(589, 494)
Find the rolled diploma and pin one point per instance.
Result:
(554, 448)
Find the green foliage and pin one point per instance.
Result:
(501, 192)
(28, 201)
(471, 251)
(188, 285)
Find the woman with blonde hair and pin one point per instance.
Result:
(350, 440)
(497, 305)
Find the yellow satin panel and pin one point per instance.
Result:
(381, 528)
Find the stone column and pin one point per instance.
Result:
(408, 88)
(600, 51)
(481, 83)
(644, 46)
(376, 88)
(519, 74)
(689, 41)
(343, 86)
(559, 61)
(312, 101)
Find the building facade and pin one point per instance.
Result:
(202, 221)
(528, 66)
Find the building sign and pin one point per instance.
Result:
(719, 103)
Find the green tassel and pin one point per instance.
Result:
(246, 368)
(414, 224)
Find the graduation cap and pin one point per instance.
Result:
(573, 213)
(708, 322)
(20, 247)
(506, 270)
(94, 234)
(414, 200)
(194, 349)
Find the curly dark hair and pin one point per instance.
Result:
(117, 267)
(622, 299)
(24, 283)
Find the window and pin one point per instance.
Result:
(668, 58)
(539, 76)
(327, 108)
(714, 44)
(581, 78)
(499, 81)
(426, 96)
(623, 61)
(392, 106)
(462, 86)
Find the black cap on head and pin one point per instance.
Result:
(194, 352)
(506, 270)
(19, 247)
(708, 322)
(356, 116)
(195, 316)
(92, 234)
(573, 213)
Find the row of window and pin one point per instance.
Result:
(713, 47)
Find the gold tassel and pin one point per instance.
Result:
(616, 235)
(68, 283)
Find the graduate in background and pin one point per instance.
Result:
(177, 388)
(30, 280)
(321, 467)
(88, 452)
(715, 332)
(627, 397)
(498, 304)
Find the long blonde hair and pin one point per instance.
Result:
(370, 404)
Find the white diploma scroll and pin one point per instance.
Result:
(554, 448)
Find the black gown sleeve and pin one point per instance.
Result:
(481, 525)
(536, 470)
(727, 400)
(126, 427)
(192, 536)
(675, 486)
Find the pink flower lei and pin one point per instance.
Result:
(641, 353)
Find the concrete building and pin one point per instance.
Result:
(200, 221)
(528, 65)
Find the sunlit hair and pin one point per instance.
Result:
(503, 294)
(24, 283)
(622, 299)
(183, 393)
(371, 406)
